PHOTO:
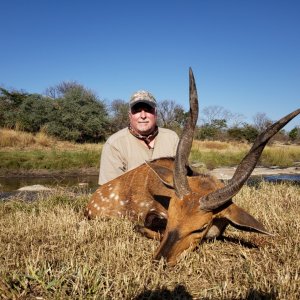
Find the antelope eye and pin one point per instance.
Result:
(200, 229)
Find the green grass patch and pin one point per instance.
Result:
(214, 159)
(272, 156)
(88, 157)
(282, 157)
(49, 160)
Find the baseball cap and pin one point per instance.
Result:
(142, 97)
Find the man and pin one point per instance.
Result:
(143, 140)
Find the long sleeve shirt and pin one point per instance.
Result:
(123, 152)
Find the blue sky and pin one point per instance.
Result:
(245, 54)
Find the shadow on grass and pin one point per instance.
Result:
(233, 240)
(259, 295)
(237, 241)
(179, 292)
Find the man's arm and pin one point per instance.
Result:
(112, 164)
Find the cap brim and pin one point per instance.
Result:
(152, 104)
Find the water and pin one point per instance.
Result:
(8, 184)
(276, 179)
(292, 178)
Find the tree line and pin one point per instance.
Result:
(70, 111)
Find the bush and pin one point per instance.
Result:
(10, 102)
(247, 132)
(78, 116)
(34, 113)
(294, 134)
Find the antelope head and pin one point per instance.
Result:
(202, 208)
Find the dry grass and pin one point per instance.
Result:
(224, 154)
(220, 146)
(11, 140)
(23, 153)
(49, 251)
(280, 155)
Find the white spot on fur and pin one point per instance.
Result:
(98, 208)
(90, 212)
(122, 202)
(117, 197)
(112, 195)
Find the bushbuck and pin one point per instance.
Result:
(175, 204)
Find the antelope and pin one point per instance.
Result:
(177, 205)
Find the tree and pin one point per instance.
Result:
(206, 132)
(247, 132)
(51, 92)
(294, 134)
(170, 114)
(61, 89)
(211, 113)
(78, 115)
(10, 102)
(213, 130)
(119, 115)
(34, 112)
(261, 121)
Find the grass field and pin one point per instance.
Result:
(48, 250)
(24, 152)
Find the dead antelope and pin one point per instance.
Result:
(177, 205)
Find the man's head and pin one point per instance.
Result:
(142, 112)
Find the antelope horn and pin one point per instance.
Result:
(245, 168)
(185, 143)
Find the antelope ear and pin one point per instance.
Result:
(164, 174)
(240, 219)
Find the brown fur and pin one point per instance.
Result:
(175, 204)
(144, 194)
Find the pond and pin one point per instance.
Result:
(8, 184)
(278, 178)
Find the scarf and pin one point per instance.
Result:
(146, 138)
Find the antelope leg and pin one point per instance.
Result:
(151, 234)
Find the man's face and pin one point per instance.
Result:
(143, 118)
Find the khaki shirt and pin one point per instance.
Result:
(123, 152)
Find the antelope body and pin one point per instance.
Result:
(177, 205)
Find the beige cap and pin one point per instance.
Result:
(142, 97)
